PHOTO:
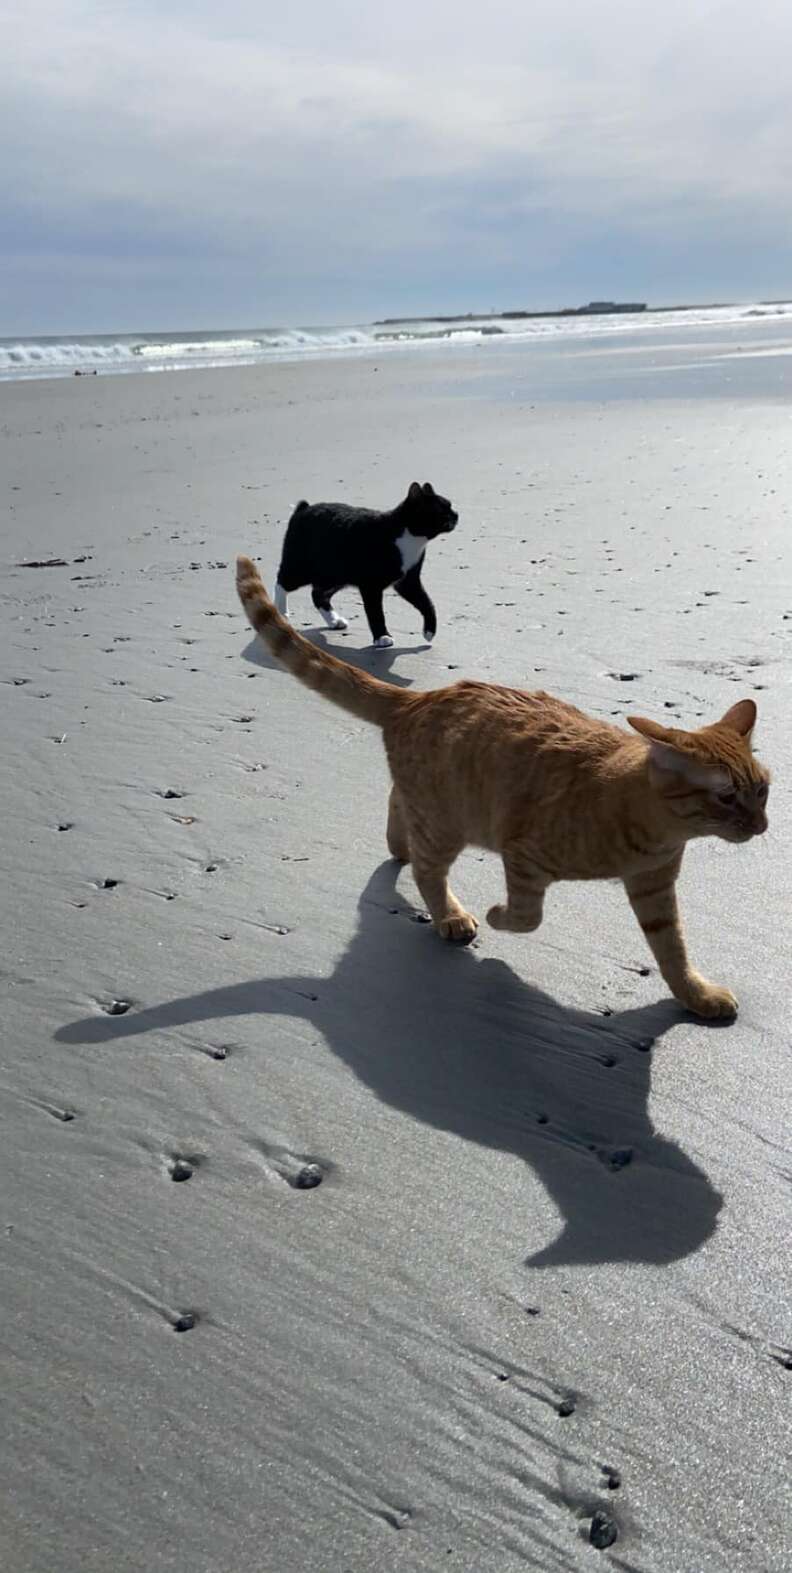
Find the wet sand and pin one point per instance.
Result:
(327, 1247)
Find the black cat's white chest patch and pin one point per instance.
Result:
(410, 547)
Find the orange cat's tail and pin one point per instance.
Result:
(345, 685)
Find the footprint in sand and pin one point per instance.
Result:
(300, 1172)
(182, 1166)
(184, 1321)
(603, 1531)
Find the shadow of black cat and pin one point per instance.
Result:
(460, 1043)
(377, 662)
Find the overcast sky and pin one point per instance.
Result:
(181, 163)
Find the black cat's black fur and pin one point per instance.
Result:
(329, 545)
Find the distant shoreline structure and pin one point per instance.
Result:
(592, 309)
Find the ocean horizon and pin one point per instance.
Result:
(28, 357)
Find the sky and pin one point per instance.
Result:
(190, 164)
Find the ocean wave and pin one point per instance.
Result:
(150, 352)
(50, 355)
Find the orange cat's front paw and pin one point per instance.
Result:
(461, 929)
(711, 1001)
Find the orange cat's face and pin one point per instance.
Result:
(739, 809)
(733, 807)
(710, 779)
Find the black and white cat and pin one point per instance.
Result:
(329, 545)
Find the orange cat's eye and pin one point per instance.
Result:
(762, 793)
(727, 798)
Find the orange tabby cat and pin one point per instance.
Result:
(556, 793)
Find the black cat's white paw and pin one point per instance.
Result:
(383, 643)
(429, 634)
(333, 620)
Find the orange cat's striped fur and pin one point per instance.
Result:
(558, 794)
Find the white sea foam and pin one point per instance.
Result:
(53, 357)
(200, 347)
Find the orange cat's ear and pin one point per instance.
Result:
(669, 759)
(415, 490)
(741, 718)
(649, 728)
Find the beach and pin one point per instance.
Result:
(327, 1247)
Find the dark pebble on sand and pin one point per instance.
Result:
(309, 1176)
(613, 1479)
(219, 1053)
(107, 884)
(181, 1170)
(44, 562)
(620, 1157)
(117, 1008)
(184, 1323)
(602, 1531)
(421, 917)
(566, 1408)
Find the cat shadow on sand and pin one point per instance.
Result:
(377, 662)
(456, 1040)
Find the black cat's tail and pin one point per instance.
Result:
(364, 696)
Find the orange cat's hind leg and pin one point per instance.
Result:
(396, 833)
(431, 861)
(526, 884)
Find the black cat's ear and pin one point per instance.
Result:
(415, 491)
(428, 489)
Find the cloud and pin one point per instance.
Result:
(328, 148)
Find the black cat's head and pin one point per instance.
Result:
(428, 513)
